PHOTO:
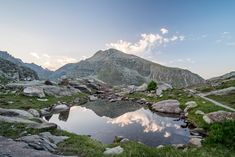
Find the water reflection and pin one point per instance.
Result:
(136, 124)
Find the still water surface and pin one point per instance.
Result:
(103, 121)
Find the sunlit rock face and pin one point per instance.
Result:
(138, 124)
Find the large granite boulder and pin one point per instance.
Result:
(59, 90)
(11, 148)
(219, 116)
(167, 106)
(15, 113)
(44, 141)
(34, 91)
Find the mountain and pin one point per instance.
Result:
(224, 77)
(117, 68)
(41, 72)
(10, 71)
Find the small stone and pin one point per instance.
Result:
(190, 105)
(34, 112)
(43, 100)
(160, 146)
(199, 112)
(92, 98)
(195, 142)
(114, 151)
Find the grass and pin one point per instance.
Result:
(228, 99)
(184, 97)
(84, 146)
(222, 85)
(19, 101)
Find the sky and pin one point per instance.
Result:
(198, 35)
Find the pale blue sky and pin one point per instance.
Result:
(198, 34)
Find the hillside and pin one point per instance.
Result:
(118, 68)
(12, 72)
(41, 72)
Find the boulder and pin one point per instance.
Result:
(195, 142)
(219, 116)
(34, 91)
(92, 98)
(11, 148)
(59, 90)
(15, 113)
(113, 151)
(190, 105)
(39, 143)
(167, 106)
(44, 125)
(16, 120)
(34, 112)
(162, 87)
(54, 139)
(199, 112)
(59, 108)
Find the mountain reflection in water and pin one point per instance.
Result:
(128, 120)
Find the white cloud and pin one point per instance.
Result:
(164, 30)
(146, 43)
(182, 60)
(174, 38)
(51, 62)
(34, 55)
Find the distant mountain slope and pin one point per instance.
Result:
(224, 77)
(11, 71)
(117, 68)
(41, 72)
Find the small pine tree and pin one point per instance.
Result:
(152, 86)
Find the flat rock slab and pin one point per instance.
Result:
(167, 106)
(15, 113)
(34, 91)
(16, 120)
(11, 148)
(219, 116)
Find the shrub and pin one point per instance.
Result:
(222, 133)
(152, 85)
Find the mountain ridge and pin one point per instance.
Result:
(41, 72)
(115, 67)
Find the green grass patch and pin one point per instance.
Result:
(228, 99)
(19, 101)
(221, 85)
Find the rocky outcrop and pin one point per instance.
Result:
(40, 71)
(44, 141)
(219, 116)
(167, 106)
(11, 148)
(14, 72)
(34, 92)
(117, 68)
